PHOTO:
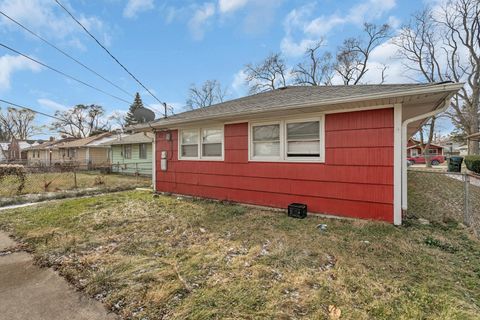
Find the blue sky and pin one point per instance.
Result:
(170, 45)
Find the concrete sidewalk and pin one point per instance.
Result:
(28, 292)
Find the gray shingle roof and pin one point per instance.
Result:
(292, 96)
(140, 137)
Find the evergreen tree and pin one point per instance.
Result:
(137, 104)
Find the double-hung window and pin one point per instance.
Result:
(142, 151)
(127, 151)
(201, 144)
(266, 141)
(288, 140)
(303, 140)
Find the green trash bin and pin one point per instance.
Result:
(455, 164)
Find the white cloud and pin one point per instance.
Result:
(228, 6)
(46, 18)
(51, 104)
(200, 19)
(10, 64)
(134, 7)
(301, 29)
(239, 85)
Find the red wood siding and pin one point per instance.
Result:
(356, 179)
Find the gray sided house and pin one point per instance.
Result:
(132, 154)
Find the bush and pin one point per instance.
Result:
(473, 163)
(14, 170)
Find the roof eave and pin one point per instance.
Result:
(438, 88)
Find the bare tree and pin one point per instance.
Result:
(354, 54)
(445, 45)
(80, 121)
(316, 70)
(211, 92)
(18, 123)
(268, 75)
(118, 119)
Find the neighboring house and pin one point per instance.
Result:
(3, 151)
(414, 149)
(132, 154)
(45, 153)
(86, 151)
(463, 150)
(341, 150)
(451, 147)
(15, 150)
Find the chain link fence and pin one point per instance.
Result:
(41, 179)
(441, 196)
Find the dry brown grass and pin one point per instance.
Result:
(61, 181)
(165, 258)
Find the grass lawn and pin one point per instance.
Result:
(437, 197)
(59, 181)
(161, 257)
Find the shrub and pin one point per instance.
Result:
(473, 163)
(14, 170)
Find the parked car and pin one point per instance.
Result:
(434, 160)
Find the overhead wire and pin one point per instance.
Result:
(63, 52)
(63, 73)
(108, 52)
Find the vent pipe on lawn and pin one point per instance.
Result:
(405, 141)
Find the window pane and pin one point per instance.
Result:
(303, 130)
(212, 135)
(212, 150)
(142, 151)
(266, 149)
(189, 136)
(303, 149)
(266, 133)
(190, 151)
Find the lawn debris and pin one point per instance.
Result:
(322, 227)
(334, 313)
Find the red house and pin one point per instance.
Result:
(341, 150)
(414, 150)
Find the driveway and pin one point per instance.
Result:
(28, 292)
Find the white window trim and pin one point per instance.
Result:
(199, 144)
(283, 141)
(250, 141)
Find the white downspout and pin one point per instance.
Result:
(404, 146)
(154, 160)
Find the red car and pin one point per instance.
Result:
(434, 160)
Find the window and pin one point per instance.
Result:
(142, 151)
(303, 139)
(189, 144)
(287, 140)
(414, 152)
(212, 142)
(71, 153)
(432, 151)
(201, 144)
(127, 151)
(266, 140)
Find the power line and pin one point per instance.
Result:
(63, 73)
(64, 53)
(71, 57)
(30, 109)
(107, 51)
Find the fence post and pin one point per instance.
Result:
(466, 218)
(74, 178)
(136, 172)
